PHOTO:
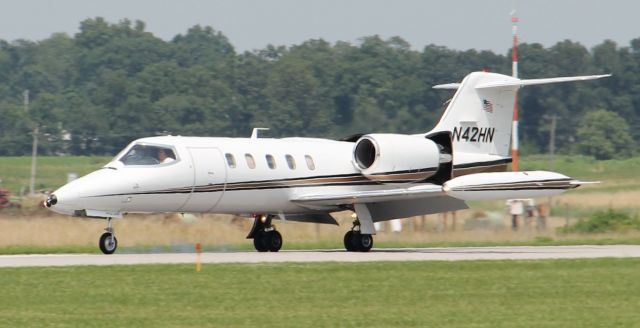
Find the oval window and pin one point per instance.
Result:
(290, 162)
(250, 162)
(310, 164)
(271, 162)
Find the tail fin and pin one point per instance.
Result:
(480, 113)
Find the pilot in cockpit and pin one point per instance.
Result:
(165, 155)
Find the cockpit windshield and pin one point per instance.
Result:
(142, 154)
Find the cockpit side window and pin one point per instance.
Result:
(142, 154)
(231, 160)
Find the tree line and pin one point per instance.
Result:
(94, 92)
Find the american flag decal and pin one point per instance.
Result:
(487, 106)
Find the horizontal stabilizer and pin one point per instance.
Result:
(522, 83)
(452, 86)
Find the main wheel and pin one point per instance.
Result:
(350, 241)
(108, 243)
(260, 242)
(273, 240)
(365, 242)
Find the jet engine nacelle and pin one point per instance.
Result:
(397, 157)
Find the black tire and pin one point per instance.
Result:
(260, 242)
(108, 243)
(273, 240)
(365, 242)
(350, 241)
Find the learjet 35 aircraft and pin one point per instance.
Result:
(378, 176)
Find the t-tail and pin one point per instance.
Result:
(479, 120)
(479, 116)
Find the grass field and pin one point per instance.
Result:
(51, 172)
(556, 293)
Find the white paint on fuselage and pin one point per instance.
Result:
(138, 188)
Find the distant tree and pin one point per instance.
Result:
(201, 45)
(131, 83)
(295, 103)
(605, 135)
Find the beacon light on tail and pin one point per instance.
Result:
(378, 176)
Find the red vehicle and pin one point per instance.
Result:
(5, 198)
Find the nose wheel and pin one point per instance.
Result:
(108, 242)
(264, 234)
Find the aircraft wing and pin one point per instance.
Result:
(382, 205)
(369, 196)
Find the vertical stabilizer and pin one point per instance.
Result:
(480, 113)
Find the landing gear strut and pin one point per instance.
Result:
(355, 241)
(108, 242)
(265, 236)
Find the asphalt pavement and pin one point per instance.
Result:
(395, 254)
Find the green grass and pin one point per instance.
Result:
(11, 250)
(556, 293)
(52, 171)
(584, 167)
(616, 174)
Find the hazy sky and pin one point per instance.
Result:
(252, 24)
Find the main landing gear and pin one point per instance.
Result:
(355, 241)
(108, 242)
(264, 234)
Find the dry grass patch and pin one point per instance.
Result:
(181, 233)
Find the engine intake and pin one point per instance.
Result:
(397, 157)
(365, 153)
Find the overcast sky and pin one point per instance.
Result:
(252, 24)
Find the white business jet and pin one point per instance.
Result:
(378, 176)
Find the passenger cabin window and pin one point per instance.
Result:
(148, 155)
(310, 164)
(290, 162)
(231, 161)
(250, 162)
(271, 162)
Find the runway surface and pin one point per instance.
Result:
(397, 254)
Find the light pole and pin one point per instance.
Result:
(34, 145)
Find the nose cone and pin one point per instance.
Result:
(82, 194)
(51, 200)
(63, 200)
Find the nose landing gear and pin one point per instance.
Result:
(265, 236)
(108, 242)
(355, 241)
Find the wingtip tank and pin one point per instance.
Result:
(507, 185)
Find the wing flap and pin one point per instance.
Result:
(368, 196)
(323, 218)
